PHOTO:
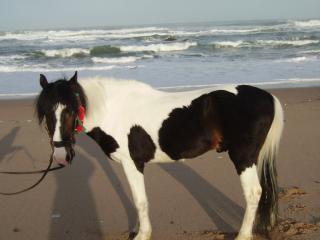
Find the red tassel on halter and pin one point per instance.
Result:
(79, 127)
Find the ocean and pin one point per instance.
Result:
(284, 53)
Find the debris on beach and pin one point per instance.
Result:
(290, 193)
(291, 227)
(296, 207)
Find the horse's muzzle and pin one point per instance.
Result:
(63, 155)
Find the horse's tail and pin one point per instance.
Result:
(268, 205)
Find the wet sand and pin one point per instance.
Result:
(197, 199)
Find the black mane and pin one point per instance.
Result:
(60, 91)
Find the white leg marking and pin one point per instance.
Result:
(252, 193)
(136, 182)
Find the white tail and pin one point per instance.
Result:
(268, 205)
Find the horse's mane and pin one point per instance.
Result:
(60, 91)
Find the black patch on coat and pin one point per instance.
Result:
(141, 147)
(223, 121)
(106, 142)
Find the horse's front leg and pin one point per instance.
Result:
(136, 182)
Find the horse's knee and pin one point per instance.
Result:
(142, 207)
(254, 195)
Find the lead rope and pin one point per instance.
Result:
(45, 172)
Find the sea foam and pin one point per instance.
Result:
(161, 47)
(66, 52)
(120, 60)
(307, 24)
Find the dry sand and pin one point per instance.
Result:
(198, 199)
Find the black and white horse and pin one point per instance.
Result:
(135, 124)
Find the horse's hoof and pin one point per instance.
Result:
(132, 235)
(243, 237)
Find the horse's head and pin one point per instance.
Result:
(59, 105)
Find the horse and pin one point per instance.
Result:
(135, 124)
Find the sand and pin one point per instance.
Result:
(197, 199)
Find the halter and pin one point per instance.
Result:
(78, 123)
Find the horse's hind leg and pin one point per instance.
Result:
(252, 193)
(136, 182)
(251, 187)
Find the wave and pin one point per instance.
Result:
(161, 47)
(105, 50)
(120, 60)
(65, 52)
(254, 29)
(297, 59)
(263, 43)
(83, 35)
(307, 24)
(11, 58)
(47, 68)
(229, 44)
(311, 52)
(287, 42)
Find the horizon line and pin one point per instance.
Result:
(156, 24)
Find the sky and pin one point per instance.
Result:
(46, 14)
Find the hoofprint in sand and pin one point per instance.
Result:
(191, 200)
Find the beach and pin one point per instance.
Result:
(197, 199)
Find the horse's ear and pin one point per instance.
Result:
(43, 81)
(74, 78)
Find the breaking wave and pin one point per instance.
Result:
(161, 47)
(47, 68)
(307, 24)
(66, 52)
(264, 43)
(297, 59)
(119, 60)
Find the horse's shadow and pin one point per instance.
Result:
(86, 144)
(224, 212)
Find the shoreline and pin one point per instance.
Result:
(267, 87)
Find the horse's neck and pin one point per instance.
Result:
(96, 103)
